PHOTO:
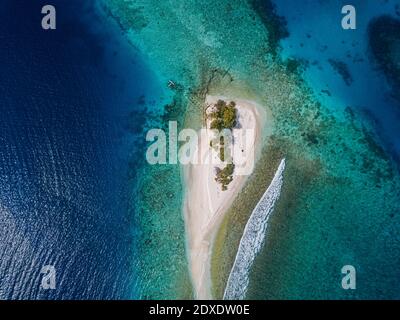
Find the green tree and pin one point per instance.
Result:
(225, 176)
(223, 116)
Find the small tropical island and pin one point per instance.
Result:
(212, 186)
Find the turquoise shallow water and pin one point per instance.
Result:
(344, 217)
(340, 198)
(316, 37)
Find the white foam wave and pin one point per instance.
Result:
(253, 239)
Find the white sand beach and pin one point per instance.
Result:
(205, 202)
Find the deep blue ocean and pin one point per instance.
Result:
(71, 121)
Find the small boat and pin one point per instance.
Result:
(171, 84)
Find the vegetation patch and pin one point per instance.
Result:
(223, 117)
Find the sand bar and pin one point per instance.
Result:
(205, 203)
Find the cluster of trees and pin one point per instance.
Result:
(225, 175)
(223, 116)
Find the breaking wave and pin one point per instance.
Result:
(253, 239)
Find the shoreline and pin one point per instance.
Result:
(205, 203)
(253, 238)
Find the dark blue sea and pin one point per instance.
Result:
(71, 121)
